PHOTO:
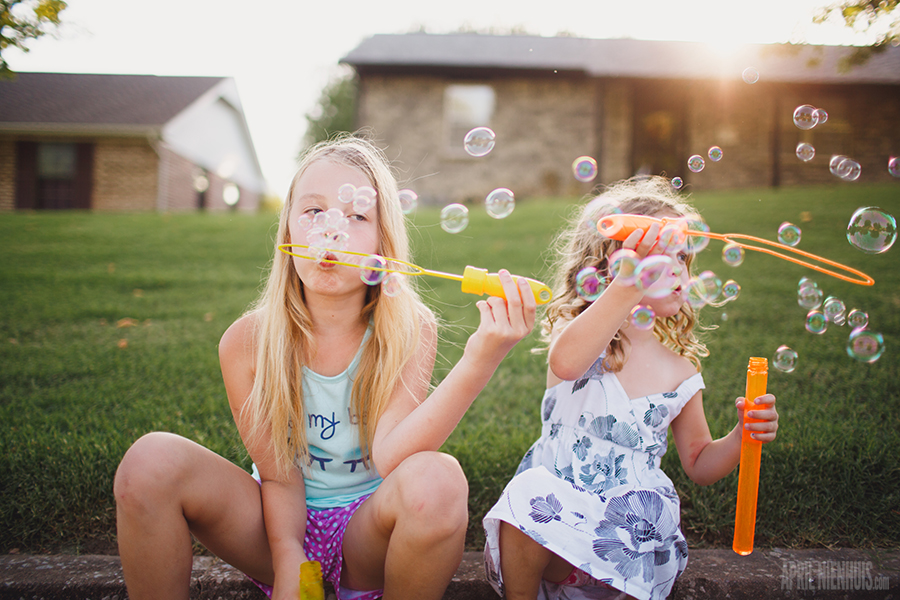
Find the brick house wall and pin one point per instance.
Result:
(7, 174)
(125, 175)
(542, 125)
(131, 174)
(543, 122)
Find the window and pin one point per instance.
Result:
(56, 161)
(465, 106)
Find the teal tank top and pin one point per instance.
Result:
(336, 475)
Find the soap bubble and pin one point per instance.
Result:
(712, 283)
(305, 221)
(391, 285)
(695, 293)
(335, 219)
(454, 218)
(731, 289)
(642, 317)
(364, 198)
(803, 116)
(789, 234)
(337, 240)
(857, 318)
(623, 265)
(851, 170)
(696, 243)
(500, 203)
(872, 230)
(696, 163)
(809, 296)
(785, 359)
(584, 168)
(805, 152)
(479, 141)
(589, 284)
(816, 322)
(715, 154)
(864, 345)
(672, 237)
(409, 200)
(834, 310)
(733, 255)
(658, 275)
(750, 75)
(345, 193)
(678, 182)
(820, 116)
(894, 166)
(845, 168)
(368, 271)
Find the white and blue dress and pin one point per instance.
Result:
(591, 489)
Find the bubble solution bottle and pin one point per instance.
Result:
(751, 452)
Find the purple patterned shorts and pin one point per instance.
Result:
(324, 542)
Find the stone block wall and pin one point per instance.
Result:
(542, 125)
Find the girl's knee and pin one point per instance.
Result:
(149, 468)
(434, 488)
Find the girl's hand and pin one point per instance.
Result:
(503, 322)
(640, 243)
(765, 429)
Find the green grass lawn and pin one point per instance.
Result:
(109, 326)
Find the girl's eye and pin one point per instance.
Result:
(313, 210)
(357, 217)
(682, 257)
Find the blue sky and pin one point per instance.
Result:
(283, 52)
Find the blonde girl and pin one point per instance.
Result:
(328, 382)
(589, 513)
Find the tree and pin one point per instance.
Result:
(880, 18)
(24, 20)
(335, 110)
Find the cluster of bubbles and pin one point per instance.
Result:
(863, 344)
(327, 230)
(807, 116)
(362, 198)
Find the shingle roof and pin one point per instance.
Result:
(621, 57)
(128, 100)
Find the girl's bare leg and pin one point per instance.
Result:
(408, 537)
(168, 487)
(524, 563)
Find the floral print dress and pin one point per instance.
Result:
(590, 489)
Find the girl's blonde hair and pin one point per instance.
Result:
(284, 336)
(580, 245)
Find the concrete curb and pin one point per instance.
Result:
(711, 574)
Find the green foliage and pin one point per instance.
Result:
(73, 396)
(334, 112)
(24, 20)
(878, 17)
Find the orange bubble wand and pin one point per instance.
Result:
(619, 227)
(474, 280)
(751, 457)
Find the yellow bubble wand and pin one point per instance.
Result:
(619, 227)
(474, 280)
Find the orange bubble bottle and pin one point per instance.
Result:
(751, 453)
